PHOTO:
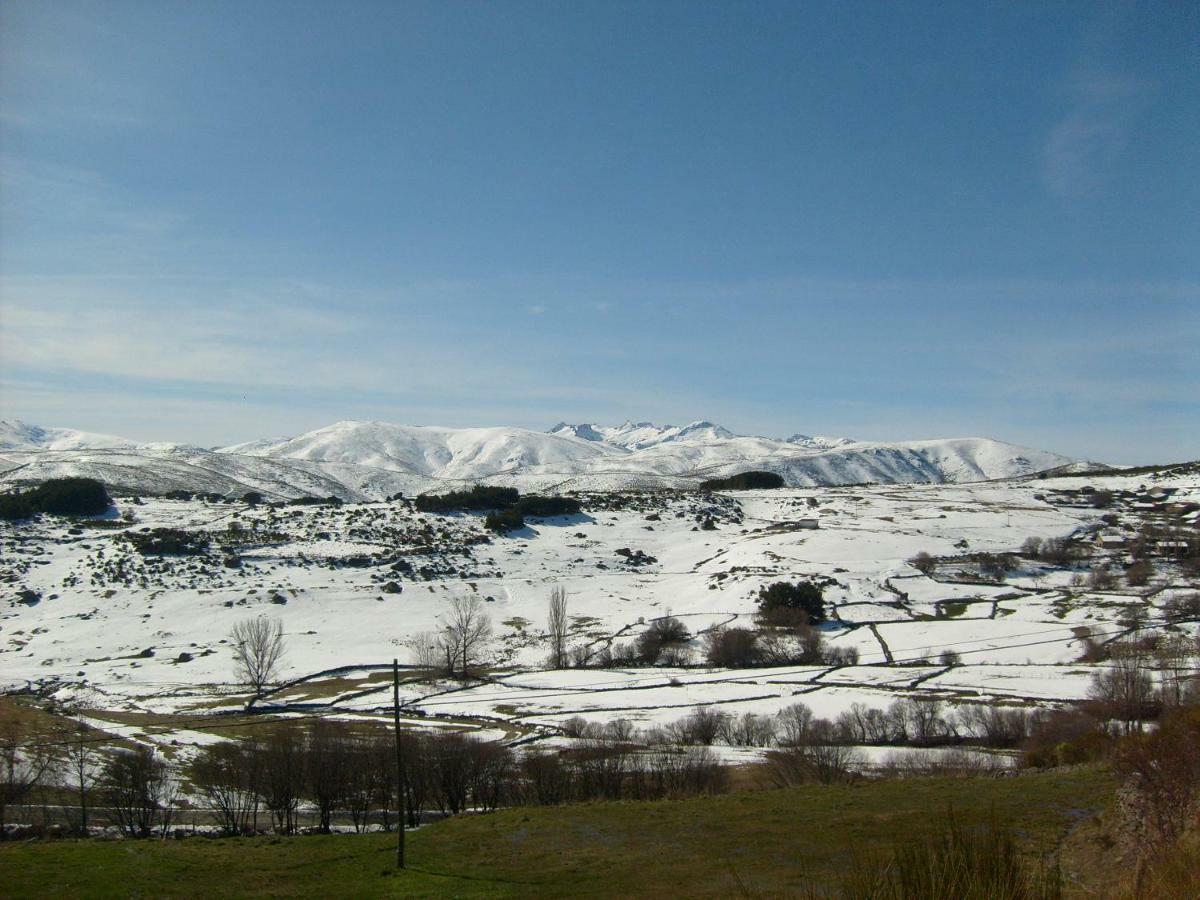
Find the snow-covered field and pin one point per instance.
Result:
(85, 618)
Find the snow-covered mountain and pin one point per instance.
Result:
(371, 460)
(818, 442)
(639, 435)
(18, 435)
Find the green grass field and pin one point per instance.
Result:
(763, 843)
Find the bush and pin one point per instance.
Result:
(732, 648)
(1161, 771)
(923, 563)
(1140, 573)
(661, 635)
(782, 596)
(1064, 737)
(1182, 608)
(744, 481)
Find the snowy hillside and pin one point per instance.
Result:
(701, 449)
(374, 460)
(17, 435)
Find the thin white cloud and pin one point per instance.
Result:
(1083, 148)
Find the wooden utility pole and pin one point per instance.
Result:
(399, 764)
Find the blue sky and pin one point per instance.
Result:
(221, 221)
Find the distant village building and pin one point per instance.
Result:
(808, 523)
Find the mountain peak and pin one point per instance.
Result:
(818, 442)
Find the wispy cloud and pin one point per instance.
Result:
(1082, 149)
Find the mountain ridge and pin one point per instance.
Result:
(364, 460)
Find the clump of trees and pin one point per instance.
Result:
(168, 542)
(744, 481)
(480, 497)
(784, 603)
(506, 508)
(339, 768)
(460, 647)
(503, 521)
(58, 496)
(1056, 551)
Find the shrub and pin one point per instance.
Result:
(1139, 574)
(1182, 608)
(744, 481)
(732, 648)
(661, 635)
(1161, 771)
(1064, 737)
(923, 563)
(803, 596)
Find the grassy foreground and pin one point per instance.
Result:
(759, 843)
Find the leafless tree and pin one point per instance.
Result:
(228, 776)
(137, 791)
(282, 773)
(1174, 657)
(77, 770)
(427, 654)
(328, 755)
(1125, 691)
(24, 758)
(468, 628)
(556, 627)
(794, 725)
(258, 649)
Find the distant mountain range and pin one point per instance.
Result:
(372, 460)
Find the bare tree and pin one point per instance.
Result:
(137, 790)
(258, 650)
(24, 758)
(556, 627)
(227, 776)
(1174, 656)
(427, 654)
(78, 768)
(468, 627)
(1125, 692)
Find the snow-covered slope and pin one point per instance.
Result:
(372, 460)
(640, 435)
(17, 435)
(818, 442)
(434, 452)
(643, 450)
